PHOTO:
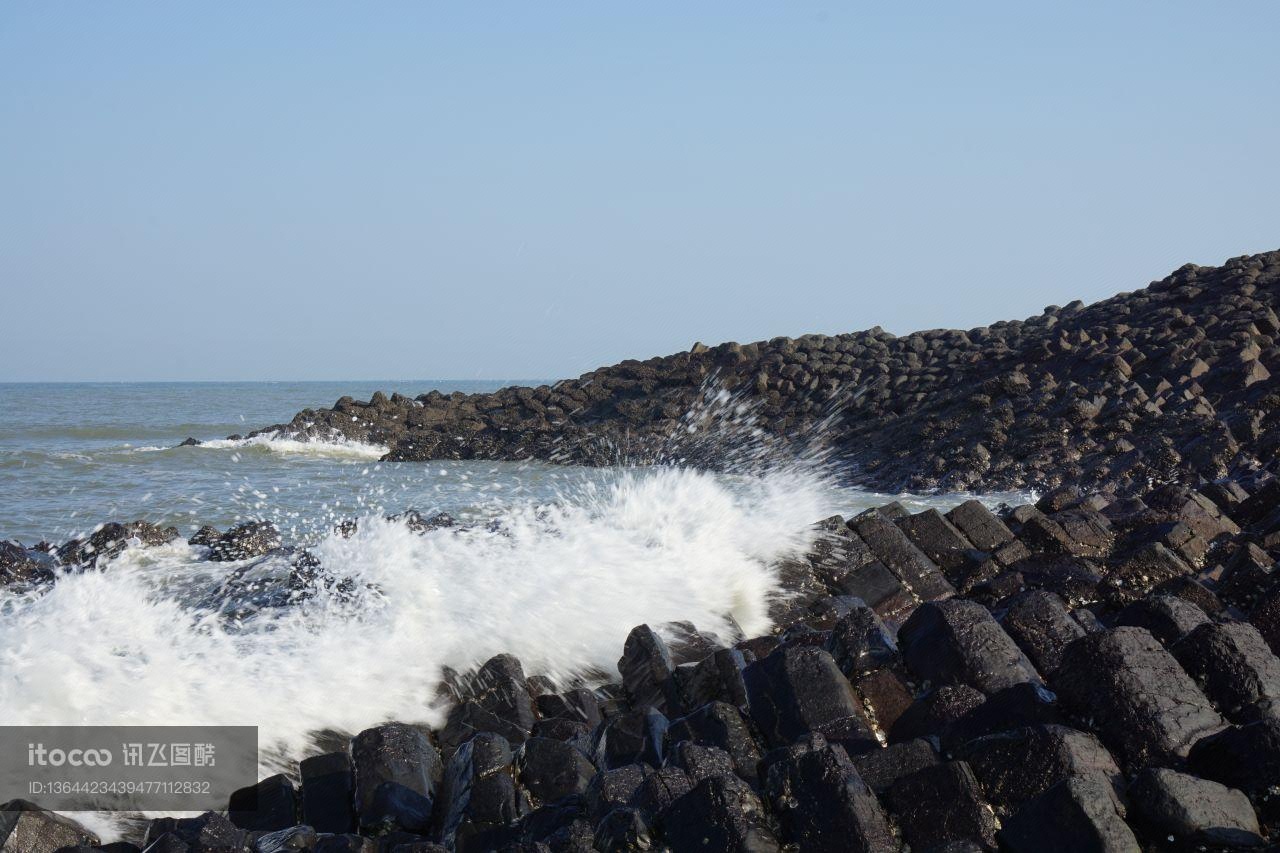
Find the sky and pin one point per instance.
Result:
(493, 190)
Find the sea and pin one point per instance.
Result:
(554, 564)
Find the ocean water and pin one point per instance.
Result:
(553, 564)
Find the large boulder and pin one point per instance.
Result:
(1193, 811)
(821, 802)
(250, 539)
(959, 642)
(1079, 813)
(800, 689)
(1139, 700)
(27, 828)
(398, 772)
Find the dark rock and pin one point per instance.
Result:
(701, 762)
(958, 642)
(1079, 813)
(1194, 811)
(980, 526)
(942, 804)
(1021, 705)
(937, 538)
(799, 689)
(1142, 704)
(659, 789)
(721, 725)
(497, 700)
(344, 843)
(715, 678)
(646, 668)
(822, 803)
(892, 548)
(1168, 619)
(209, 833)
(880, 768)
(580, 705)
(1039, 622)
(719, 814)
(935, 712)
(290, 840)
(1235, 668)
(1014, 766)
(1245, 757)
(611, 789)
(551, 770)
(250, 539)
(27, 828)
(19, 570)
(328, 792)
(859, 641)
(483, 804)
(621, 831)
(397, 774)
(637, 736)
(270, 805)
(206, 535)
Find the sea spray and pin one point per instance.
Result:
(558, 584)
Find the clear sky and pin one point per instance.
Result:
(287, 190)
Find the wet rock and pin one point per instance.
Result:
(344, 843)
(551, 770)
(658, 790)
(1140, 701)
(496, 700)
(250, 539)
(19, 570)
(270, 805)
(799, 689)
(934, 713)
(579, 705)
(719, 814)
(637, 736)
(1235, 668)
(611, 789)
(1245, 757)
(397, 774)
(715, 678)
(860, 642)
(1039, 622)
(1021, 705)
(1168, 618)
(482, 804)
(206, 536)
(701, 762)
(328, 791)
(881, 768)
(1079, 813)
(958, 642)
(290, 840)
(937, 538)
(209, 833)
(646, 668)
(1193, 811)
(1014, 766)
(980, 526)
(892, 548)
(621, 831)
(942, 804)
(27, 828)
(822, 803)
(110, 540)
(721, 725)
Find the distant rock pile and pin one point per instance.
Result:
(1172, 383)
(1082, 674)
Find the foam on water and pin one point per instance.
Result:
(557, 584)
(337, 447)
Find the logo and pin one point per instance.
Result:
(38, 756)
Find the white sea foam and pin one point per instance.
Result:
(559, 585)
(337, 447)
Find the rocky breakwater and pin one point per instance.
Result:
(1171, 383)
(1082, 674)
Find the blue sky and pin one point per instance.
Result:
(491, 190)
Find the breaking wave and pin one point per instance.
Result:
(559, 584)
